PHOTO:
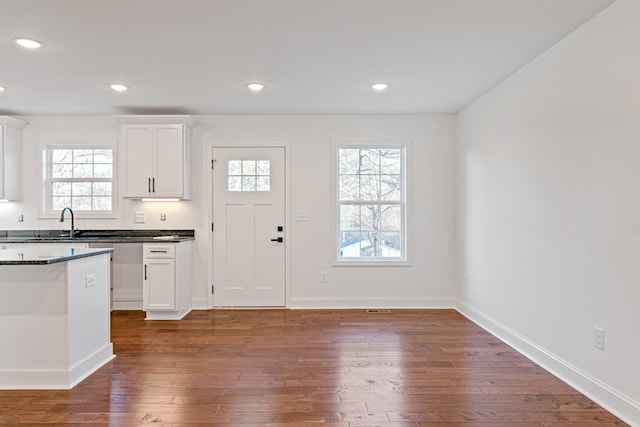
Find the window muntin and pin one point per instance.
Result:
(249, 175)
(371, 205)
(80, 177)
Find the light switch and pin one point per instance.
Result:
(303, 216)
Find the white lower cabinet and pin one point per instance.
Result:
(166, 288)
(160, 290)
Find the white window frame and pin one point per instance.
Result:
(404, 259)
(47, 211)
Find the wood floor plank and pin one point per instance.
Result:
(308, 368)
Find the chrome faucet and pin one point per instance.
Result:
(71, 232)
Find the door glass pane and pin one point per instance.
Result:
(234, 168)
(249, 175)
(263, 167)
(248, 183)
(263, 183)
(249, 167)
(235, 183)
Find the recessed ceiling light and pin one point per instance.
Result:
(380, 86)
(119, 88)
(28, 43)
(256, 87)
(1, 88)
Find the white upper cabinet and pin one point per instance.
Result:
(11, 158)
(155, 157)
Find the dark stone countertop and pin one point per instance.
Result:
(47, 255)
(96, 236)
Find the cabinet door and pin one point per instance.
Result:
(10, 163)
(137, 149)
(169, 161)
(159, 284)
(2, 168)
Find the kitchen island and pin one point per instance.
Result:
(54, 316)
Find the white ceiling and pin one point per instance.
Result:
(314, 56)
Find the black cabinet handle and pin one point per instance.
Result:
(145, 272)
(153, 185)
(149, 185)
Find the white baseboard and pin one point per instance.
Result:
(135, 303)
(200, 304)
(127, 304)
(90, 364)
(615, 402)
(56, 379)
(125, 299)
(372, 302)
(167, 314)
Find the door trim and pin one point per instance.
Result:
(208, 186)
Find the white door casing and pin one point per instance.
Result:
(248, 260)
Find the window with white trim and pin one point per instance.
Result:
(371, 203)
(79, 177)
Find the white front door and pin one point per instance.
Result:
(248, 232)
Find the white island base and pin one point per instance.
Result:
(54, 322)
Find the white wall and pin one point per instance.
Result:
(428, 282)
(549, 208)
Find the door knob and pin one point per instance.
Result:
(279, 240)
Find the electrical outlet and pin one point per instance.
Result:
(163, 217)
(21, 218)
(598, 338)
(139, 218)
(90, 280)
(324, 277)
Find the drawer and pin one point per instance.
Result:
(159, 251)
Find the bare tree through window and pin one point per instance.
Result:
(80, 178)
(370, 200)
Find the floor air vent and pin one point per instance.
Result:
(378, 311)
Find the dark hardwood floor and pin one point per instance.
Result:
(339, 368)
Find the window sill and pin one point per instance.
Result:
(79, 215)
(371, 263)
